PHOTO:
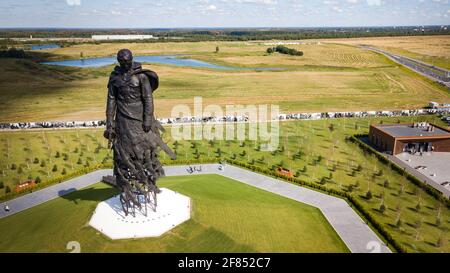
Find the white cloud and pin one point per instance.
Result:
(337, 9)
(73, 2)
(211, 7)
(369, 2)
(374, 2)
(265, 2)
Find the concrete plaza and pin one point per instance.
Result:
(432, 168)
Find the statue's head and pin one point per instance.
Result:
(125, 59)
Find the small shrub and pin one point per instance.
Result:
(418, 207)
(438, 221)
(417, 224)
(440, 242)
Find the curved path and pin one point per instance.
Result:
(358, 236)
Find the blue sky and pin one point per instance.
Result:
(221, 13)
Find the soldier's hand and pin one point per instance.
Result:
(109, 134)
(146, 128)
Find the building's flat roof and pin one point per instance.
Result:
(405, 130)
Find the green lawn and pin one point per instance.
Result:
(227, 216)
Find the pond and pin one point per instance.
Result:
(176, 60)
(41, 47)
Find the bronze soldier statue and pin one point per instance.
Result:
(133, 132)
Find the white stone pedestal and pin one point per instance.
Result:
(173, 209)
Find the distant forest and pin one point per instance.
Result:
(240, 34)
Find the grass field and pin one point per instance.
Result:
(329, 77)
(308, 148)
(430, 49)
(227, 216)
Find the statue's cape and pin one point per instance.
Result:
(137, 69)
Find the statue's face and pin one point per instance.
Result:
(125, 59)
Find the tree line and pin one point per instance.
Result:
(284, 50)
(230, 34)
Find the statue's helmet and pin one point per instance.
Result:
(125, 58)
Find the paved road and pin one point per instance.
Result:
(358, 237)
(437, 74)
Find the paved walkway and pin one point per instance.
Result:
(358, 237)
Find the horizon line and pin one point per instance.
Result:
(228, 27)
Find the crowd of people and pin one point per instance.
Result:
(52, 124)
(224, 119)
(193, 169)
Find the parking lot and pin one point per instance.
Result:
(433, 168)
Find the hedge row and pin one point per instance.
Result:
(352, 200)
(427, 188)
(190, 161)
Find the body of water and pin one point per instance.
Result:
(41, 47)
(162, 59)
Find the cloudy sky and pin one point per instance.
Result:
(221, 13)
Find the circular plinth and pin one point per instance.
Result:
(173, 209)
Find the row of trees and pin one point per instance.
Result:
(285, 50)
(13, 53)
(234, 34)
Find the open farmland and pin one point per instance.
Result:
(430, 49)
(329, 77)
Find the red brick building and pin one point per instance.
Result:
(418, 137)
